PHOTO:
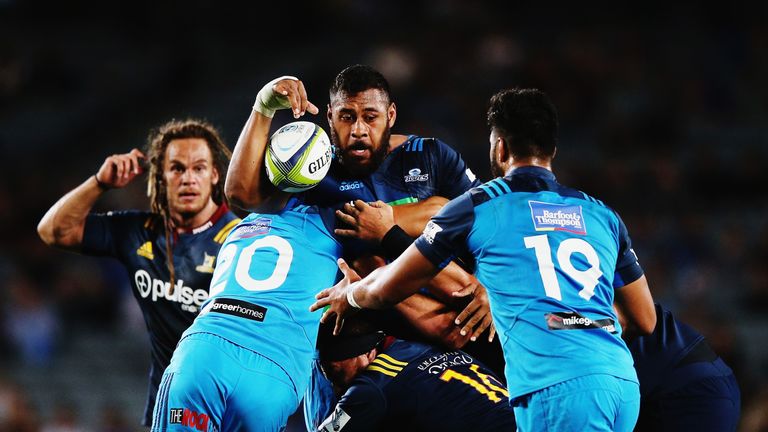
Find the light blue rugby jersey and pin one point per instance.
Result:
(550, 258)
(267, 274)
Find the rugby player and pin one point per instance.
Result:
(170, 251)
(392, 384)
(552, 259)
(371, 164)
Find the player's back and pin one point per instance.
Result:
(429, 389)
(548, 256)
(267, 274)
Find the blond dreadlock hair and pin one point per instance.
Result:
(157, 144)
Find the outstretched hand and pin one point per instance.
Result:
(477, 315)
(120, 169)
(367, 221)
(335, 297)
(282, 93)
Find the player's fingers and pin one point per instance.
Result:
(302, 97)
(323, 294)
(135, 168)
(118, 166)
(339, 325)
(311, 108)
(295, 98)
(484, 324)
(360, 205)
(345, 218)
(345, 232)
(468, 311)
(464, 291)
(492, 332)
(470, 324)
(343, 266)
(378, 204)
(349, 208)
(326, 315)
(136, 152)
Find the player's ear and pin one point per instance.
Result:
(329, 114)
(392, 114)
(502, 152)
(215, 176)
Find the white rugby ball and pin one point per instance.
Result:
(298, 156)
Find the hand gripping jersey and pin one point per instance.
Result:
(268, 272)
(550, 258)
(413, 386)
(137, 240)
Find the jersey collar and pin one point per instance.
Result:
(532, 171)
(221, 211)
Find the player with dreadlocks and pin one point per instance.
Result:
(169, 252)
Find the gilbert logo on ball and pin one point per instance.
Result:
(298, 156)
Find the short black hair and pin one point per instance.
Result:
(527, 120)
(358, 335)
(358, 78)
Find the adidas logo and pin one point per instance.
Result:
(145, 250)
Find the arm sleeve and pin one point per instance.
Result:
(455, 177)
(445, 236)
(360, 409)
(628, 268)
(103, 233)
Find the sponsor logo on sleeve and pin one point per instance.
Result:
(557, 217)
(430, 231)
(259, 226)
(336, 421)
(188, 418)
(415, 175)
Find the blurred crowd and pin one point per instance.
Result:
(661, 114)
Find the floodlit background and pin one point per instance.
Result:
(662, 111)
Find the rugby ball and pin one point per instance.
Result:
(298, 156)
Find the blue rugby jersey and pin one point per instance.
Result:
(137, 240)
(267, 274)
(415, 170)
(550, 257)
(413, 386)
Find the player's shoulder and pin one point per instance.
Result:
(391, 363)
(425, 145)
(131, 219)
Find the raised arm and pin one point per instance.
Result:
(63, 224)
(246, 184)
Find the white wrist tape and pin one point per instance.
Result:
(351, 299)
(268, 100)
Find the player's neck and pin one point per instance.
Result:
(545, 163)
(182, 223)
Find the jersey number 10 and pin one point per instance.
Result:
(586, 278)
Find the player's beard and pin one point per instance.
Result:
(377, 154)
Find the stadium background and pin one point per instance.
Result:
(662, 116)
